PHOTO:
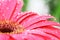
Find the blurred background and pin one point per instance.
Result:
(43, 7)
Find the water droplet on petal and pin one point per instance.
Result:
(19, 1)
(0, 3)
(7, 7)
(18, 13)
(49, 14)
(28, 30)
(3, 15)
(16, 8)
(2, 0)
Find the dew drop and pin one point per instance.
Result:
(2, 0)
(18, 13)
(0, 3)
(28, 30)
(3, 15)
(7, 7)
(16, 8)
(19, 1)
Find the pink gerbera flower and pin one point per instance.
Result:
(16, 25)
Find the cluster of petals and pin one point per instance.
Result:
(36, 27)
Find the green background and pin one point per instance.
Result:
(54, 6)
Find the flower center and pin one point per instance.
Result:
(5, 29)
(10, 27)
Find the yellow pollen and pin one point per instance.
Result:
(10, 27)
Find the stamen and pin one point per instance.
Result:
(10, 27)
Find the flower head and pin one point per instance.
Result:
(17, 25)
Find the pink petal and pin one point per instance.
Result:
(9, 8)
(31, 18)
(33, 37)
(17, 12)
(19, 5)
(17, 36)
(26, 37)
(5, 37)
(26, 16)
(41, 24)
(6, 8)
(46, 33)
